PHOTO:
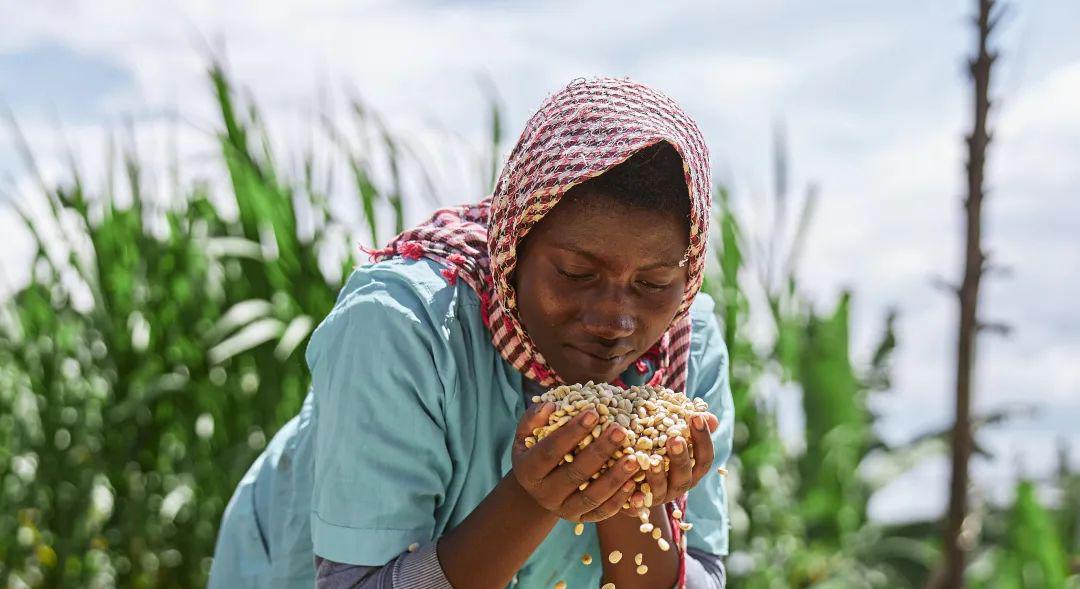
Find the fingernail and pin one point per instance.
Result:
(630, 465)
(617, 434)
(591, 417)
(699, 422)
(656, 469)
(677, 447)
(629, 486)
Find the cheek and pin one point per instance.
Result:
(662, 310)
(551, 307)
(542, 305)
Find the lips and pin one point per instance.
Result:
(603, 357)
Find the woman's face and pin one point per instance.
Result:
(598, 282)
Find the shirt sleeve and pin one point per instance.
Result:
(412, 570)
(335, 575)
(382, 466)
(707, 501)
(704, 571)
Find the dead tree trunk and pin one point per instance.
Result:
(954, 542)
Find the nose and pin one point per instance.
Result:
(608, 317)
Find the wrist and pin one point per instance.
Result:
(623, 533)
(525, 501)
(621, 522)
(509, 523)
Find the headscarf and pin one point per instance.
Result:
(578, 133)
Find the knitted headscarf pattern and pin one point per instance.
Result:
(578, 133)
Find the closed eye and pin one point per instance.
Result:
(653, 286)
(573, 276)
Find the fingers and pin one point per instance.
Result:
(546, 454)
(536, 416)
(703, 447)
(612, 506)
(658, 485)
(680, 473)
(528, 471)
(605, 495)
(711, 420)
(568, 477)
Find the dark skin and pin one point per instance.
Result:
(597, 283)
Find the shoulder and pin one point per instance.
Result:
(705, 329)
(404, 297)
(708, 352)
(411, 283)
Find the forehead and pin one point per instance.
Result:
(608, 229)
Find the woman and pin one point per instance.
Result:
(406, 467)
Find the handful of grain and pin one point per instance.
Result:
(650, 415)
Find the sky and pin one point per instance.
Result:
(872, 97)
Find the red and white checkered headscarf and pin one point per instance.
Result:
(578, 133)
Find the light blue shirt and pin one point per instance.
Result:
(408, 427)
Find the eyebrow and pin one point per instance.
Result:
(595, 258)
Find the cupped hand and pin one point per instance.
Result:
(556, 487)
(683, 473)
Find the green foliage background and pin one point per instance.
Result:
(125, 426)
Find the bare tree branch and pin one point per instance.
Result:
(994, 327)
(955, 544)
(941, 283)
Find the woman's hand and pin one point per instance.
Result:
(554, 487)
(681, 475)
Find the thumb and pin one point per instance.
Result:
(713, 422)
(536, 416)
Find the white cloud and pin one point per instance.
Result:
(1050, 104)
